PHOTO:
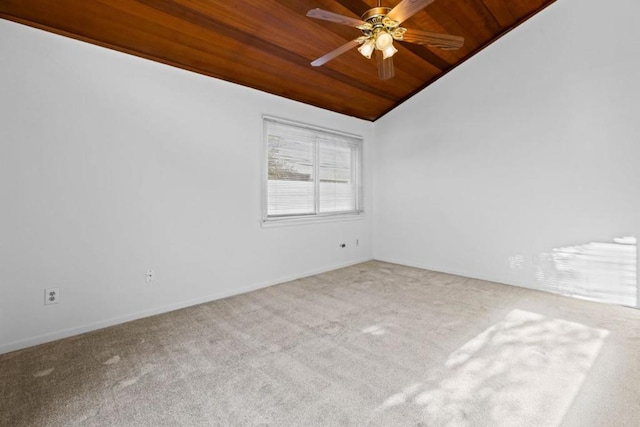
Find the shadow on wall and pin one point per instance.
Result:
(525, 370)
(604, 272)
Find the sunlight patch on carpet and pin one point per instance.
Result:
(375, 330)
(525, 370)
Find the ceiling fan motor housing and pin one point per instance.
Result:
(377, 21)
(376, 14)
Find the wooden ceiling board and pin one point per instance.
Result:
(499, 10)
(268, 44)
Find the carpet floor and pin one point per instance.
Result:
(373, 344)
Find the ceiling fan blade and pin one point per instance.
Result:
(442, 41)
(334, 17)
(406, 9)
(386, 70)
(339, 51)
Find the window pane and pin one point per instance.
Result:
(337, 183)
(290, 185)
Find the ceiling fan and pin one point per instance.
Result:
(380, 26)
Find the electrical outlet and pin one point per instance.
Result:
(51, 296)
(150, 276)
(357, 242)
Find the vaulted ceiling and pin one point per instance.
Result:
(269, 44)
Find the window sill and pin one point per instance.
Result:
(286, 222)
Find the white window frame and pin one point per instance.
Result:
(356, 140)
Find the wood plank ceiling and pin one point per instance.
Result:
(269, 44)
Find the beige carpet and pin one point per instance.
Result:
(373, 344)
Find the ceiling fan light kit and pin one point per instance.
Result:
(379, 33)
(380, 26)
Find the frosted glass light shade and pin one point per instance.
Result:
(383, 41)
(366, 49)
(389, 51)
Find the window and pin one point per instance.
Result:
(310, 172)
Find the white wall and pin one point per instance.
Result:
(530, 146)
(111, 165)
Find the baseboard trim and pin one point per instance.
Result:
(66, 333)
(500, 281)
(461, 273)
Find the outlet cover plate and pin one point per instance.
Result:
(51, 296)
